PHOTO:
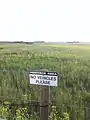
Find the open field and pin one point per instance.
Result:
(72, 62)
(70, 46)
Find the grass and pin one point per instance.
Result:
(72, 62)
(69, 46)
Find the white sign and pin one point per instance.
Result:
(43, 78)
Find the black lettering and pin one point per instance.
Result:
(33, 77)
(48, 78)
(44, 77)
(54, 78)
(46, 82)
(37, 81)
(39, 77)
(41, 81)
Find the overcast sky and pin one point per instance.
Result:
(48, 20)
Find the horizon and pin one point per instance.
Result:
(45, 20)
(48, 41)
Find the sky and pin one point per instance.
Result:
(45, 20)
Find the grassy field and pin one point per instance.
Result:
(70, 46)
(72, 62)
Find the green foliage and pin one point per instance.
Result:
(4, 110)
(55, 115)
(71, 62)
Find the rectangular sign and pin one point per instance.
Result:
(43, 78)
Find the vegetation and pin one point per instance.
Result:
(71, 99)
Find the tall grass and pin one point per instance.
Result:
(72, 65)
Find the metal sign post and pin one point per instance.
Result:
(45, 79)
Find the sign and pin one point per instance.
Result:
(43, 78)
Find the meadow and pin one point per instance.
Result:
(71, 98)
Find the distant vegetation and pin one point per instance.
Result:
(73, 42)
(22, 42)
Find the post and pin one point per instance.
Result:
(73, 109)
(86, 114)
(44, 102)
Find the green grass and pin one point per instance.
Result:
(72, 62)
(70, 46)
